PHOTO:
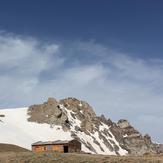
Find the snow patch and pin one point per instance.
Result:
(81, 111)
(80, 104)
(112, 137)
(73, 121)
(124, 136)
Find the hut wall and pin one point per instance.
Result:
(74, 146)
(58, 148)
(39, 148)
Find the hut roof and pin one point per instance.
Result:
(52, 142)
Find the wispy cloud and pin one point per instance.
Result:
(114, 83)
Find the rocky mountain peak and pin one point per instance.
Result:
(79, 118)
(52, 101)
(78, 106)
(123, 123)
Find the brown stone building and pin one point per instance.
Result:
(57, 146)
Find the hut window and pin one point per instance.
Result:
(65, 149)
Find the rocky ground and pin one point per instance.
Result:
(29, 157)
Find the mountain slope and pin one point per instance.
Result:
(11, 148)
(67, 119)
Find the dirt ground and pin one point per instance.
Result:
(30, 157)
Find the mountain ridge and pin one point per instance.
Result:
(72, 118)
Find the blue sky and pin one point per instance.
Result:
(134, 26)
(108, 53)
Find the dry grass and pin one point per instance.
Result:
(11, 148)
(30, 157)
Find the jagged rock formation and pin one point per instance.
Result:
(132, 140)
(97, 134)
(159, 148)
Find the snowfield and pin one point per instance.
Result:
(17, 130)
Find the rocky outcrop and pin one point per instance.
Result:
(48, 112)
(132, 140)
(83, 112)
(160, 148)
(95, 133)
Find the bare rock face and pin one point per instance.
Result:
(49, 112)
(160, 148)
(117, 137)
(132, 140)
(123, 124)
(83, 111)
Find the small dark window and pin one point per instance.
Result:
(65, 149)
(44, 148)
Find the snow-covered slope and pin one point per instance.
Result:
(62, 120)
(17, 130)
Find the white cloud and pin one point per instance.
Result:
(115, 84)
(25, 55)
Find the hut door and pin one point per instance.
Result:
(65, 149)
